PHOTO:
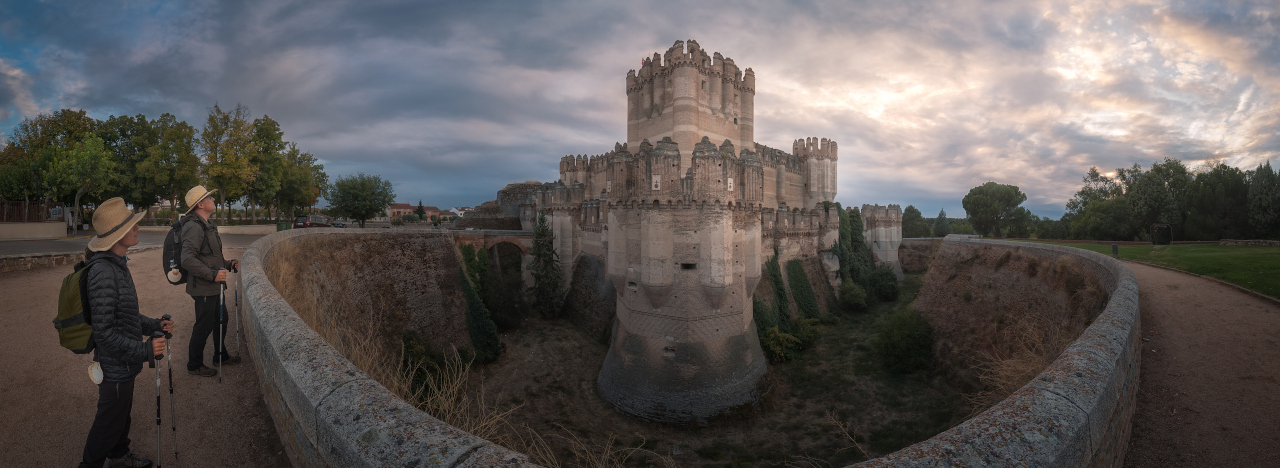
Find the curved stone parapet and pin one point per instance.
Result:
(327, 411)
(1078, 412)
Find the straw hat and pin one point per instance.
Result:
(196, 195)
(112, 220)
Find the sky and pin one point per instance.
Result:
(451, 101)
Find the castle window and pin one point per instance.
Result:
(735, 120)
(704, 85)
(688, 266)
(730, 184)
(657, 181)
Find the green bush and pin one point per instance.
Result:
(802, 290)
(778, 346)
(410, 218)
(397, 222)
(764, 315)
(903, 342)
(853, 299)
(883, 283)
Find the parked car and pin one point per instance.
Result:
(338, 224)
(311, 221)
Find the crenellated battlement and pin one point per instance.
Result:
(812, 148)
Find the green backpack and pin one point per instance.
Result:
(75, 330)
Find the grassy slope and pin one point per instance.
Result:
(1256, 268)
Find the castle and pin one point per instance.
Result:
(684, 215)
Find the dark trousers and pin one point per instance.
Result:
(206, 322)
(109, 436)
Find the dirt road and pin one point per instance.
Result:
(1210, 385)
(47, 402)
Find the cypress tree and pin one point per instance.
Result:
(546, 270)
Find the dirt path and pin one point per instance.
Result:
(1210, 383)
(47, 401)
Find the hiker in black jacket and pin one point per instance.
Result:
(118, 329)
(207, 274)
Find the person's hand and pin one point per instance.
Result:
(157, 346)
(167, 326)
(235, 265)
(222, 277)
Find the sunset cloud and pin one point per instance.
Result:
(451, 100)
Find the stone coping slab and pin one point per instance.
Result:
(329, 412)
(1076, 413)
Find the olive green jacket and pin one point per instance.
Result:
(202, 256)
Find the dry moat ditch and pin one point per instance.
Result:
(998, 320)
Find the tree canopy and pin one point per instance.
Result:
(994, 207)
(361, 196)
(913, 223)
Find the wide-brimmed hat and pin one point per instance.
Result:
(196, 195)
(112, 220)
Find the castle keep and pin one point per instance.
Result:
(683, 216)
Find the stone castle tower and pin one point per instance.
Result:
(679, 220)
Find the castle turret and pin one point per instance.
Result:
(686, 95)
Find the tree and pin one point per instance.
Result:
(1157, 194)
(27, 154)
(1105, 220)
(1217, 204)
(941, 225)
(269, 159)
(228, 144)
(1264, 201)
(421, 211)
(361, 196)
(86, 169)
(546, 270)
(1096, 187)
(172, 160)
(992, 207)
(128, 138)
(302, 181)
(913, 224)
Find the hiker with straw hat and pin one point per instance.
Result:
(207, 271)
(118, 327)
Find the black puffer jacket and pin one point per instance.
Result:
(118, 328)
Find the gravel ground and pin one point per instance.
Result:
(1210, 382)
(47, 402)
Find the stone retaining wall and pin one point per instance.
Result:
(1076, 413)
(327, 411)
(1249, 243)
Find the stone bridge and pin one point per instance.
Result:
(489, 239)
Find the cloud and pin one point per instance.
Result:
(451, 100)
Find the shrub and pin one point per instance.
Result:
(801, 290)
(883, 283)
(397, 222)
(764, 315)
(903, 342)
(410, 218)
(778, 346)
(853, 298)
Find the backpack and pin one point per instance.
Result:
(172, 256)
(75, 330)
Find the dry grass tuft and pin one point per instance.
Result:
(1032, 344)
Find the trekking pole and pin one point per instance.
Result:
(222, 299)
(237, 296)
(152, 364)
(173, 414)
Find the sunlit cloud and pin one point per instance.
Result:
(452, 100)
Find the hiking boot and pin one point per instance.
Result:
(130, 460)
(203, 372)
(228, 360)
